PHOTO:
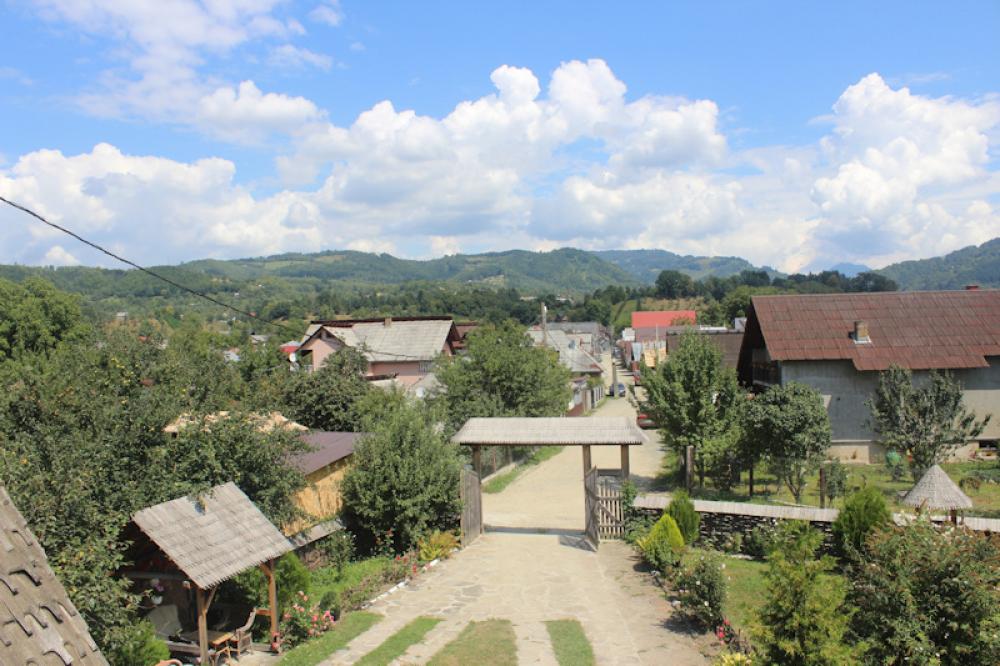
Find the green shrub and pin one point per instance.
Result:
(439, 545)
(759, 541)
(337, 549)
(927, 596)
(301, 620)
(836, 479)
(804, 618)
(331, 602)
(863, 511)
(138, 644)
(290, 577)
(702, 588)
(663, 546)
(895, 465)
(681, 509)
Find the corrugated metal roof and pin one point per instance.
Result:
(916, 330)
(571, 356)
(214, 537)
(662, 318)
(38, 622)
(549, 431)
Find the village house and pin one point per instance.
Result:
(838, 344)
(402, 348)
(324, 466)
(587, 372)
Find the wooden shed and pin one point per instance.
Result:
(203, 541)
(38, 622)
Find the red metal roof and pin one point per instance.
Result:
(663, 318)
(916, 330)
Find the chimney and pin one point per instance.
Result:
(972, 287)
(861, 332)
(388, 322)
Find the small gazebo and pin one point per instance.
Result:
(201, 541)
(936, 490)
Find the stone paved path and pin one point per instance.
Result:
(533, 565)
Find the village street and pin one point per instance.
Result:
(532, 565)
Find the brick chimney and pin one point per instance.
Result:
(861, 333)
(388, 322)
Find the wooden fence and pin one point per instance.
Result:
(472, 506)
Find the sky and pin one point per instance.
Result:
(796, 135)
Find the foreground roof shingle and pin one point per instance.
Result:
(38, 622)
(213, 537)
(916, 330)
(549, 431)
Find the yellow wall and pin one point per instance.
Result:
(321, 496)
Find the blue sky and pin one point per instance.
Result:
(795, 134)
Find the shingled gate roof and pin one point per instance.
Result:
(917, 330)
(936, 490)
(213, 537)
(38, 622)
(549, 431)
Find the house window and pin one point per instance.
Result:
(988, 445)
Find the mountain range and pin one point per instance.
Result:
(565, 271)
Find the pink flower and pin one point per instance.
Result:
(315, 618)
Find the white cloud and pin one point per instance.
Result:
(329, 13)
(574, 162)
(58, 256)
(288, 56)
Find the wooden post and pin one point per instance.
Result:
(272, 595)
(822, 486)
(477, 461)
(625, 469)
(689, 467)
(199, 595)
(586, 458)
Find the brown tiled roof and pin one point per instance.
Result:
(728, 342)
(326, 447)
(38, 622)
(918, 330)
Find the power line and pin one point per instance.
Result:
(156, 275)
(169, 281)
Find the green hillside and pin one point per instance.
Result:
(970, 265)
(645, 265)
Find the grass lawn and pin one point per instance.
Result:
(490, 642)
(399, 642)
(570, 643)
(315, 651)
(501, 481)
(767, 489)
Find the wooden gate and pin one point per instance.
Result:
(611, 521)
(593, 503)
(472, 506)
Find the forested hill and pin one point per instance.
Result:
(970, 265)
(565, 270)
(646, 265)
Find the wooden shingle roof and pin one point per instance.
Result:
(213, 537)
(549, 431)
(38, 622)
(917, 330)
(936, 490)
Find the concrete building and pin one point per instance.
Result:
(838, 344)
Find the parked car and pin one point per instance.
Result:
(621, 390)
(643, 421)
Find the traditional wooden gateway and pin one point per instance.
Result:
(547, 431)
(185, 548)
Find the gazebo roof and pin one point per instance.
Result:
(549, 431)
(936, 490)
(213, 537)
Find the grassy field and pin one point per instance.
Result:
(399, 642)
(767, 489)
(327, 579)
(570, 643)
(315, 651)
(501, 481)
(488, 642)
